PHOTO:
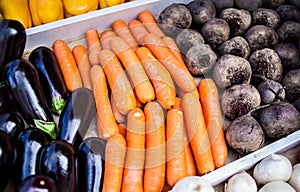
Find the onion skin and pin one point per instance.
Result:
(277, 186)
(294, 181)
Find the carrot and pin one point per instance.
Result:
(94, 46)
(147, 18)
(154, 175)
(161, 79)
(176, 160)
(67, 65)
(135, 154)
(105, 37)
(173, 47)
(190, 161)
(115, 152)
(121, 29)
(122, 129)
(209, 98)
(83, 64)
(121, 89)
(179, 72)
(120, 118)
(138, 31)
(197, 133)
(142, 85)
(105, 115)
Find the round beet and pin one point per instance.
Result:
(187, 38)
(231, 70)
(245, 135)
(239, 20)
(289, 31)
(266, 62)
(267, 17)
(239, 100)
(202, 11)
(288, 12)
(248, 5)
(270, 91)
(236, 46)
(289, 55)
(296, 3)
(291, 83)
(272, 4)
(222, 4)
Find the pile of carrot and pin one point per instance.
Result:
(160, 126)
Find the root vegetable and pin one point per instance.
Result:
(267, 17)
(200, 59)
(277, 186)
(231, 70)
(272, 4)
(289, 55)
(222, 4)
(288, 12)
(192, 184)
(274, 167)
(245, 135)
(270, 91)
(236, 46)
(291, 83)
(289, 31)
(187, 38)
(294, 180)
(248, 5)
(202, 11)
(295, 2)
(242, 181)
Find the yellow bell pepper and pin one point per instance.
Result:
(45, 11)
(109, 3)
(16, 10)
(78, 7)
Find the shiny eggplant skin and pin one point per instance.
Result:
(37, 183)
(24, 84)
(8, 157)
(90, 161)
(58, 162)
(29, 146)
(6, 102)
(12, 124)
(77, 116)
(55, 91)
(12, 41)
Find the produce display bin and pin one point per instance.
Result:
(72, 30)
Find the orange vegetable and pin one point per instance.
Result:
(161, 79)
(209, 98)
(138, 31)
(120, 118)
(122, 129)
(147, 18)
(121, 29)
(94, 46)
(142, 85)
(135, 154)
(105, 37)
(176, 159)
(67, 65)
(154, 175)
(115, 152)
(107, 121)
(83, 64)
(197, 133)
(118, 82)
(173, 47)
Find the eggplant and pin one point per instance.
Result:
(23, 81)
(6, 101)
(90, 164)
(55, 91)
(29, 146)
(12, 124)
(8, 157)
(58, 162)
(12, 41)
(77, 116)
(37, 183)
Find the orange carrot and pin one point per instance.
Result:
(179, 72)
(197, 133)
(94, 46)
(121, 29)
(120, 118)
(147, 18)
(115, 152)
(138, 31)
(118, 81)
(83, 64)
(176, 159)
(67, 65)
(154, 175)
(209, 98)
(173, 47)
(105, 115)
(135, 154)
(142, 85)
(122, 129)
(161, 79)
(105, 37)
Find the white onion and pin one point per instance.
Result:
(277, 186)
(192, 184)
(295, 178)
(241, 182)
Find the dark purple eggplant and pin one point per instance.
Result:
(6, 102)
(90, 164)
(23, 81)
(12, 41)
(37, 183)
(29, 146)
(77, 116)
(58, 162)
(7, 158)
(55, 91)
(12, 124)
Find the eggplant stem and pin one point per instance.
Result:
(48, 127)
(58, 104)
